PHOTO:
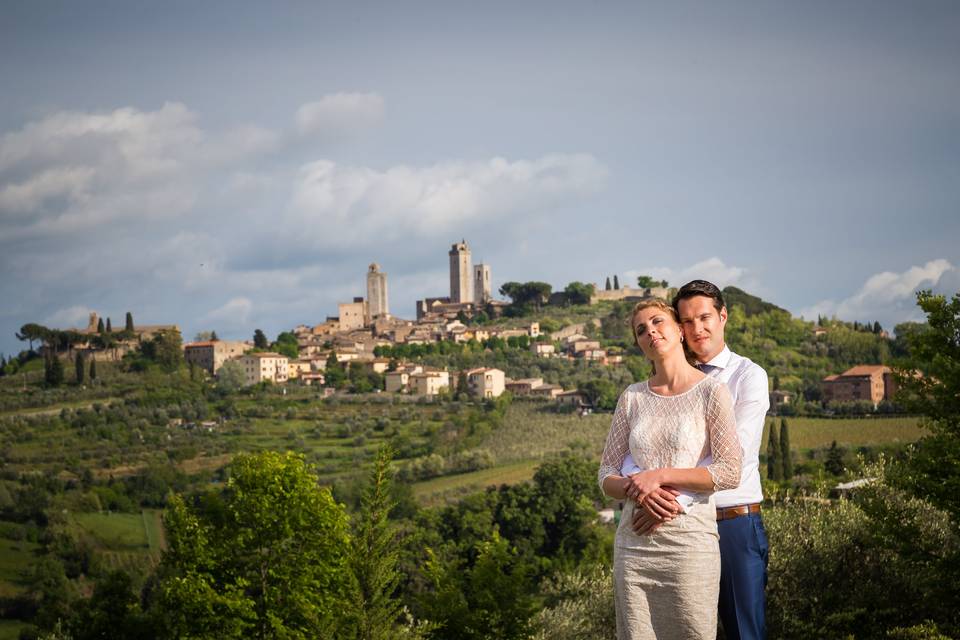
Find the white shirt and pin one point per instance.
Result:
(747, 382)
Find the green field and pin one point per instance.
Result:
(16, 558)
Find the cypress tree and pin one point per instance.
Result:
(109, 326)
(129, 325)
(774, 468)
(785, 450)
(213, 336)
(834, 462)
(607, 286)
(93, 369)
(79, 366)
(616, 282)
(375, 556)
(260, 339)
(53, 371)
(100, 328)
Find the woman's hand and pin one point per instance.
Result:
(640, 485)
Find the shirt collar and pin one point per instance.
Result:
(722, 359)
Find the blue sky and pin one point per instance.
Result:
(234, 166)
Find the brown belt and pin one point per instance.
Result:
(726, 513)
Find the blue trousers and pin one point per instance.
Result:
(743, 577)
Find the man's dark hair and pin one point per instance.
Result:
(699, 288)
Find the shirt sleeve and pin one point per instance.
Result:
(753, 402)
(724, 442)
(617, 446)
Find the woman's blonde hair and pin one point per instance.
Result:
(657, 303)
(650, 303)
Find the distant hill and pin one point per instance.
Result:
(752, 305)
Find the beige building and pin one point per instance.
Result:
(265, 366)
(429, 383)
(461, 276)
(543, 349)
(353, 315)
(211, 354)
(524, 386)
(399, 380)
(377, 303)
(628, 293)
(549, 391)
(481, 284)
(486, 382)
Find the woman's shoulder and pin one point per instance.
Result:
(636, 387)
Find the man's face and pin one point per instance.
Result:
(702, 326)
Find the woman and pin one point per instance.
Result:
(667, 581)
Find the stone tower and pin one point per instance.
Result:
(377, 292)
(461, 283)
(481, 283)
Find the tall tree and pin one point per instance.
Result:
(109, 326)
(129, 322)
(374, 557)
(80, 367)
(774, 466)
(929, 384)
(578, 293)
(213, 335)
(93, 368)
(260, 340)
(834, 461)
(100, 326)
(646, 282)
(785, 450)
(607, 285)
(616, 282)
(53, 370)
(267, 558)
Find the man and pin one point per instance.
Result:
(743, 541)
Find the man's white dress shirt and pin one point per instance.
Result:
(747, 382)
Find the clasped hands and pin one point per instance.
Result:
(655, 503)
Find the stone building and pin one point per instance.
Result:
(461, 276)
(377, 303)
(429, 383)
(867, 382)
(353, 315)
(481, 284)
(211, 354)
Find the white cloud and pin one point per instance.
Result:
(713, 269)
(74, 317)
(889, 297)
(72, 171)
(340, 114)
(234, 313)
(336, 205)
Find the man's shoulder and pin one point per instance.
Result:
(746, 369)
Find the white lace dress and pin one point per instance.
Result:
(667, 582)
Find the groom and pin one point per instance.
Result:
(743, 541)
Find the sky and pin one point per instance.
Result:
(230, 166)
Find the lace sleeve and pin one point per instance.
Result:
(618, 444)
(724, 443)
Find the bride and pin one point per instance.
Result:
(667, 582)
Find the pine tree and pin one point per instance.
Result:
(93, 369)
(834, 461)
(109, 326)
(100, 328)
(616, 283)
(774, 467)
(129, 324)
(79, 366)
(785, 450)
(213, 336)
(877, 328)
(375, 556)
(607, 286)
(260, 339)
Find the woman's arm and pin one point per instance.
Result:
(614, 451)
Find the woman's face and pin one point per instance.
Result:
(657, 332)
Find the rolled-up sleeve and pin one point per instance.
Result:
(724, 442)
(617, 446)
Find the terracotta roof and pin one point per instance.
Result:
(831, 378)
(266, 354)
(866, 370)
